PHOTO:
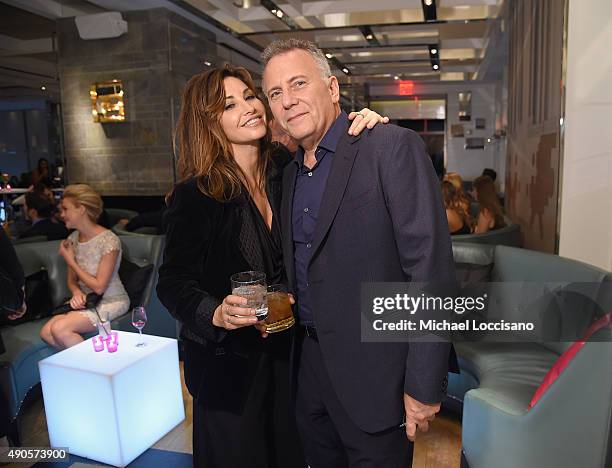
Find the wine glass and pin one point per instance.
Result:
(139, 320)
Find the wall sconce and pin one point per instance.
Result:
(107, 101)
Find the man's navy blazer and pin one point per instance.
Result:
(381, 219)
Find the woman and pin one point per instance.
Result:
(464, 199)
(223, 219)
(41, 173)
(93, 255)
(490, 215)
(459, 221)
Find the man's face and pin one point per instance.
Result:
(303, 102)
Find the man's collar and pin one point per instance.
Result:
(330, 139)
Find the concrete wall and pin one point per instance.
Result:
(586, 189)
(153, 60)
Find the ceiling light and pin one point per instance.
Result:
(396, 77)
(369, 37)
(207, 63)
(434, 51)
(279, 13)
(488, 140)
(43, 88)
(435, 66)
(328, 55)
(428, 2)
(273, 12)
(345, 70)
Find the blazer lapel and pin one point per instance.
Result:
(286, 211)
(337, 180)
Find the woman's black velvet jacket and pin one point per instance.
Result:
(202, 251)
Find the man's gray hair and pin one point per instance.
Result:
(283, 46)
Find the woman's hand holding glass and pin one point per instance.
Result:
(233, 313)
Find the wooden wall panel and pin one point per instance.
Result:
(534, 108)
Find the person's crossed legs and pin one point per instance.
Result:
(64, 331)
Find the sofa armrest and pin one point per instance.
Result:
(569, 426)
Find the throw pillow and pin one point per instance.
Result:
(565, 358)
(134, 280)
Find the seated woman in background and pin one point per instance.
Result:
(464, 199)
(41, 173)
(459, 221)
(490, 214)
(93, 255)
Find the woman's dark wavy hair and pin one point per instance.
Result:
(204, 151)
(488, 199)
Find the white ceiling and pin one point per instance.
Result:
(399, 48)
(401, 36)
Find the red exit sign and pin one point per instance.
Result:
(406, 88)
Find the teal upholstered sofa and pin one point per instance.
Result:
(570, 426)
(24, 348)
(120, 230)
(115, 214)
(509, 235)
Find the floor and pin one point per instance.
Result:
(438, 448)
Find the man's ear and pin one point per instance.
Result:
(334, 89)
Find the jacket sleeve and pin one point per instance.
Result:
(11, 276)
(414, 200)
(188, 226)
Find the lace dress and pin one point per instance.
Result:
(115, 301)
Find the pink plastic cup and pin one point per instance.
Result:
(98, 343)
(112, 342)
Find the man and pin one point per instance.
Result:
(355, 209)
(487, 171)
(39, 210)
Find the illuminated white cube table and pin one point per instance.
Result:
(111, 407)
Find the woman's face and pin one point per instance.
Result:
(244, 117)
(70, 213)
